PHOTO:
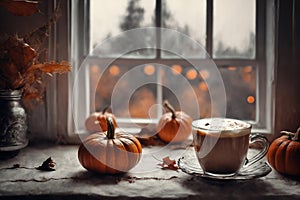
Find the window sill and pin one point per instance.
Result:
(70, 180)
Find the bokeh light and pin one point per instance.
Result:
(247, 69)
(202, 86)
(94, 69)
(231, 68)
(204, 74)
(250, 99)
(149, 70)
(176, 69)
(191, 74)
(114, 70)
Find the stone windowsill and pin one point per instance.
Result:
(147, 180)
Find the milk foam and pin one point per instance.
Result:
(220, 124)
(221, 127)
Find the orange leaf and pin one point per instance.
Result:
(53, 67)
(20, 8)
(18, 53)
(169, 164)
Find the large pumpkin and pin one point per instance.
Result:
(109, 152)
(174, 126)
(284, 153)
(97, 121)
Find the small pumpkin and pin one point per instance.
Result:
(97, 121)
(109, 152)
(284, 153)
(174, 126)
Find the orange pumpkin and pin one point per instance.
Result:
(284, 153)
(174, 126)
(109, 152)
(97, 121)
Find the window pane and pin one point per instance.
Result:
(234, 29)
(187, 17)
(182, 90)
(110, 18)
(240, 87)
(131, 91)
(134, 92)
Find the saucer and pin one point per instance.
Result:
(188, 163)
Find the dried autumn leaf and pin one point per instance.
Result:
(38, 36)
(19, 7)
(22, 60)
(48, 165)
(19, 53)
(169, 164)
(33, 95)
(53, 67)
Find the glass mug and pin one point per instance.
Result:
(221, 145)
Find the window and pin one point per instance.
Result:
(234, 33)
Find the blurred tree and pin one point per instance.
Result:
(226, 51)
(134, 17)
(168, 21)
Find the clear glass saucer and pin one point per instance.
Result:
(188, 163)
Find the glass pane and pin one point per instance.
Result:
(187, 17)
(134, 92)
(234, 29)
(131, 92)
(240, 86)
(110, 18)
(181, 90)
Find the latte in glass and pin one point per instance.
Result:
(221, 145)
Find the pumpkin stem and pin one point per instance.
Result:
(170, 108)
(292, 136)
(296, 136)
(105, 109)
(110, 128)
